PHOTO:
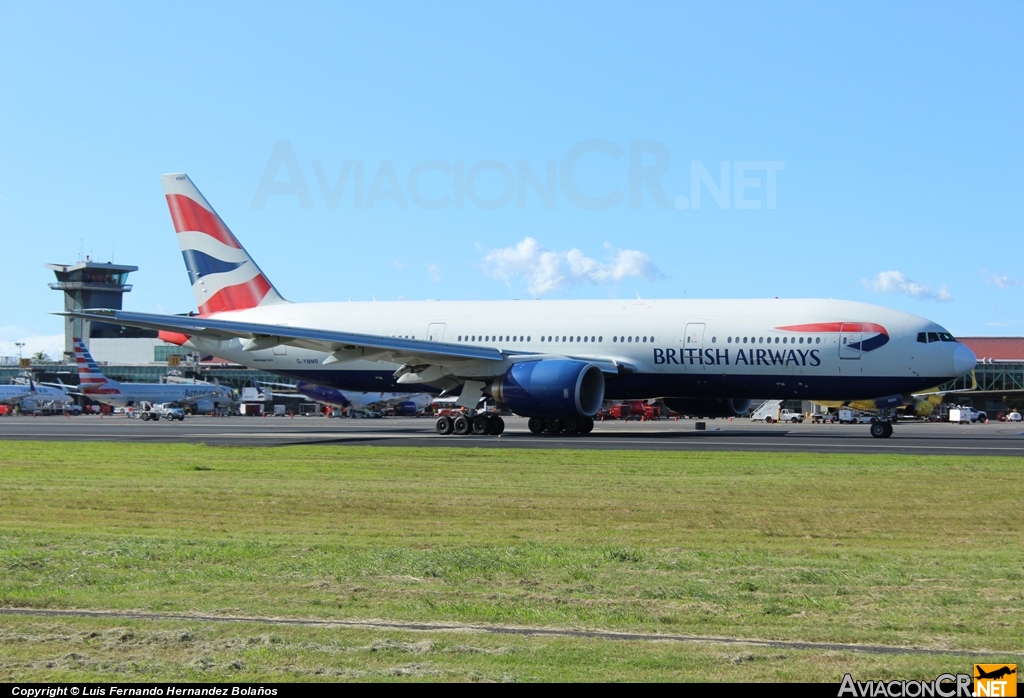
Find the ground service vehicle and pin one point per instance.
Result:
(965, 415)
(147, 411)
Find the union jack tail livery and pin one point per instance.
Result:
(91, 380)
(223, 275)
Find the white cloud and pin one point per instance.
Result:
(546, 270)
(1003, 281)
(897, 282)
(51, 345)
(435, 273)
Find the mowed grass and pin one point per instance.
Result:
(902, 550)
(117, 650)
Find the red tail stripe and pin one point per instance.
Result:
(237, 297)
(190, 216)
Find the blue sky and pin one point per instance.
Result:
(892, 135)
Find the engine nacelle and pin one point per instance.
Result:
(407, 408)
(551, 388)
(203, 406)
(707, 407)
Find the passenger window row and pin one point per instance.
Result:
(768, 340)
(493, 338)
(579, 339)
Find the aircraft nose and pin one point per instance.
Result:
(964, 360)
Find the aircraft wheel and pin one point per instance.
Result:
(888, 430)
(462, 425)
(536, 425)
(481, 425)
(586, 425)
(445, 426)
(878, 430)
(571, 426)
(554, 426)
(497, 425)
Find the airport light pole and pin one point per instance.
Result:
(19, 345)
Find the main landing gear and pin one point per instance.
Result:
(881, 430)
(569, 425)
(480, 425)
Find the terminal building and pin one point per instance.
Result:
(135, 355)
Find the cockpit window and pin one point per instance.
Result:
(927, 337)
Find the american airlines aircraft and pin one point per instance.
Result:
(554, 362)
(96, 386)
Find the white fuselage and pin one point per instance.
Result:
(30, 399)
(128, 394)
(680, 348)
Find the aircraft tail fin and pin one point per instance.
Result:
(91, 380)
(223, 275)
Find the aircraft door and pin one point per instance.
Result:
(693, 346)
(435, 332)
(850, 337)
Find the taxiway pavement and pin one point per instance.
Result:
(664, 435)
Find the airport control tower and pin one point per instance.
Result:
(91, 284)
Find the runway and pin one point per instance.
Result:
(996, 439)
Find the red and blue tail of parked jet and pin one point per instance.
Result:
(223, 275)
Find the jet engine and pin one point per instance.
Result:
(707, 407)
(202, 407)
(406, 407)
(551, 388)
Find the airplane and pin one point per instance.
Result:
(94, 385)
(401, 403)
(31, 395)
(920, 404)
(552, 361)
(14, 394)
(995, 673)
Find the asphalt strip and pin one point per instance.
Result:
(508, 630)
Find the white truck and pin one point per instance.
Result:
(168, 411)
(965, 415)
(793, 417)
(771, 411)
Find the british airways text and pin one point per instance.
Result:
(744, 357)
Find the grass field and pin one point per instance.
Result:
(918, 551)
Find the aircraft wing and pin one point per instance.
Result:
(265, 336)
(344, 346)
